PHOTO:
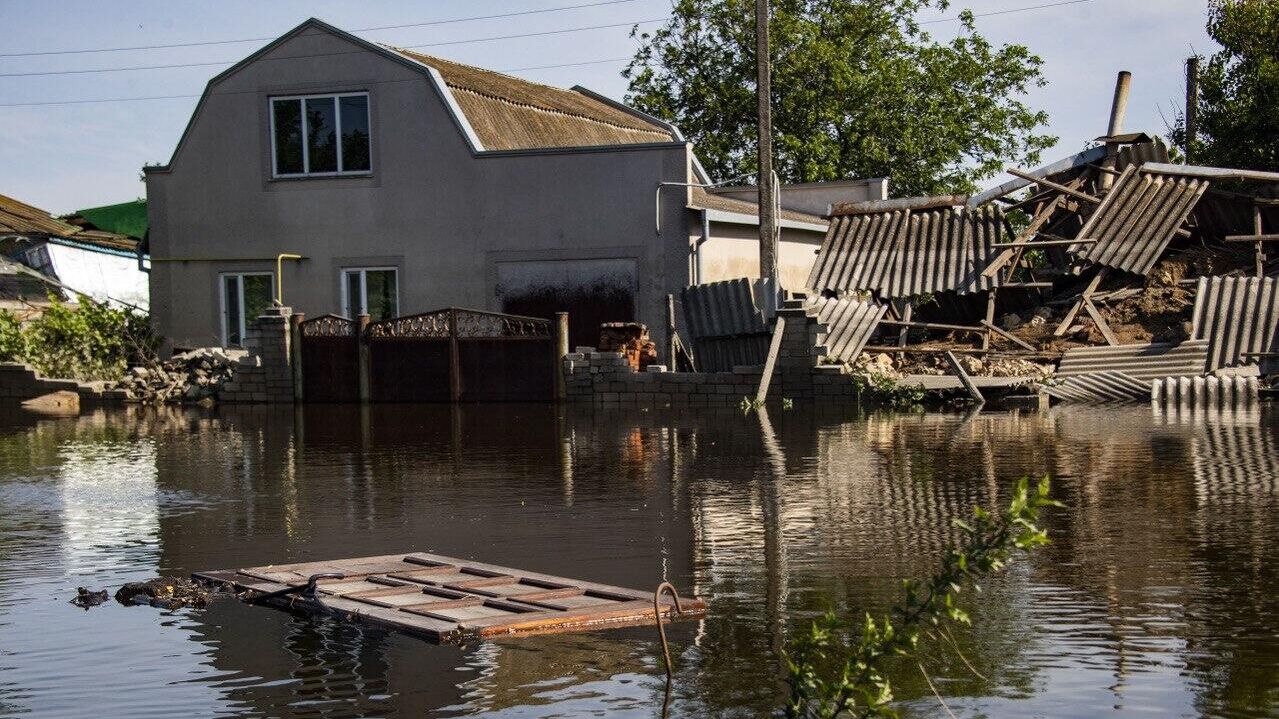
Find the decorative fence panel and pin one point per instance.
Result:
(330, 360)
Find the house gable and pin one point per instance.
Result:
(492, 111)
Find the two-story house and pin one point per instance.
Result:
(406, 183)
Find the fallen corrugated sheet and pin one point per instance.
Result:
(1236, 316)
(728, 322)
(849, 324)
(1137, 219)
(1205, 391)
(1097, 387)
(1144, 361)
(906, 253)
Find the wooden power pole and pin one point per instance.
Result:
(1192, 105)
(767, 188)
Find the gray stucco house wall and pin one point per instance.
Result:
(460, 222)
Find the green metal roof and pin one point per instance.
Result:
(125, 218)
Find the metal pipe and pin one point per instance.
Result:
(279, 274)
(279, 266)
(657, 195)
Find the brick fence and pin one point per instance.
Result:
(606, 379)
(266, 374)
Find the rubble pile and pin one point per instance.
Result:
(191, 377)
(631, 339)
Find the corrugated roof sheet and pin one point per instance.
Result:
(849, 324)
(20, 218)
(1137, 219)
(703, 200)
(1142, 361)
(728, 322)
(1236, 315)
(907, 253)
(1100, 387)
(509, 113)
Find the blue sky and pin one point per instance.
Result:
(65, 157)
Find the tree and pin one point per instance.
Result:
(1238, 89)
(859, 90)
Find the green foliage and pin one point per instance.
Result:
(13, 342)
(1238, 88)
(832, 674)
(788, 403)
(87, 341)
(749, 404)
(859, 90)
(884, 390)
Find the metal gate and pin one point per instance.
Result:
(330, 359)
(461, 355)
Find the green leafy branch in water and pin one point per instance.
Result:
(831, 674)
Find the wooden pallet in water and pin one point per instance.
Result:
(448, 600)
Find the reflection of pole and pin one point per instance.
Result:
(566, 455)
(775, 572)
(295, 353)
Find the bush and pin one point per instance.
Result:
(90, 341)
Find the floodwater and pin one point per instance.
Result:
(1158, 596)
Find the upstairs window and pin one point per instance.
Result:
(334, 139)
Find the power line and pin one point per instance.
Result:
(364, 29)
(1006, 12)
(328, 54)
(254, 92)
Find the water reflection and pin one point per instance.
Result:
(1156, 596)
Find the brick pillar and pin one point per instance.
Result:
(801, 351)
(269, 335)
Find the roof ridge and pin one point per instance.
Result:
(554, 111)
(648, 126)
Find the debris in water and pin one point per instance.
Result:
(163, 592)
(85, 598)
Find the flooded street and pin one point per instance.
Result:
(1157, 597)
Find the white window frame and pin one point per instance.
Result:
(337, 119)
(239, 288)
(364, 288)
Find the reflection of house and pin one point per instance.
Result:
(417, 183)
(80, 258)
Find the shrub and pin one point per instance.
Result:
(87, 341)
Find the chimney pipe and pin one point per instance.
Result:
(1118, 107)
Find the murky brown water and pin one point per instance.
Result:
(1157, 598)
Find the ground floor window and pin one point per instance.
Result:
(245, 296)
(370, 290)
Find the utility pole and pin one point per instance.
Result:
(1192, 105)
(767, 189)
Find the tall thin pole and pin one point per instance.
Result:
(1192, 105)
(1118, 108)
(767, 191)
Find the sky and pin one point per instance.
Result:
(64, 157)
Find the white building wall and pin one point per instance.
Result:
(103, 276)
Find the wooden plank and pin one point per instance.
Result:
(1074, 309)
(964, 379)
(1042, 243)
(1009, 336)
(1063, 189)
(1252, 238)
(774, 348)
(445, 599)
(1101, 322)
(932, 326)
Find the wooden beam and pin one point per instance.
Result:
(932, 326)
(1074, 309)
(964, 379)
(1252, 238)
(1063, 189)
(1043, 243)
(774, 349)
(1010, 337)
(990, 319)
(904, 334)
(1101, 322)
